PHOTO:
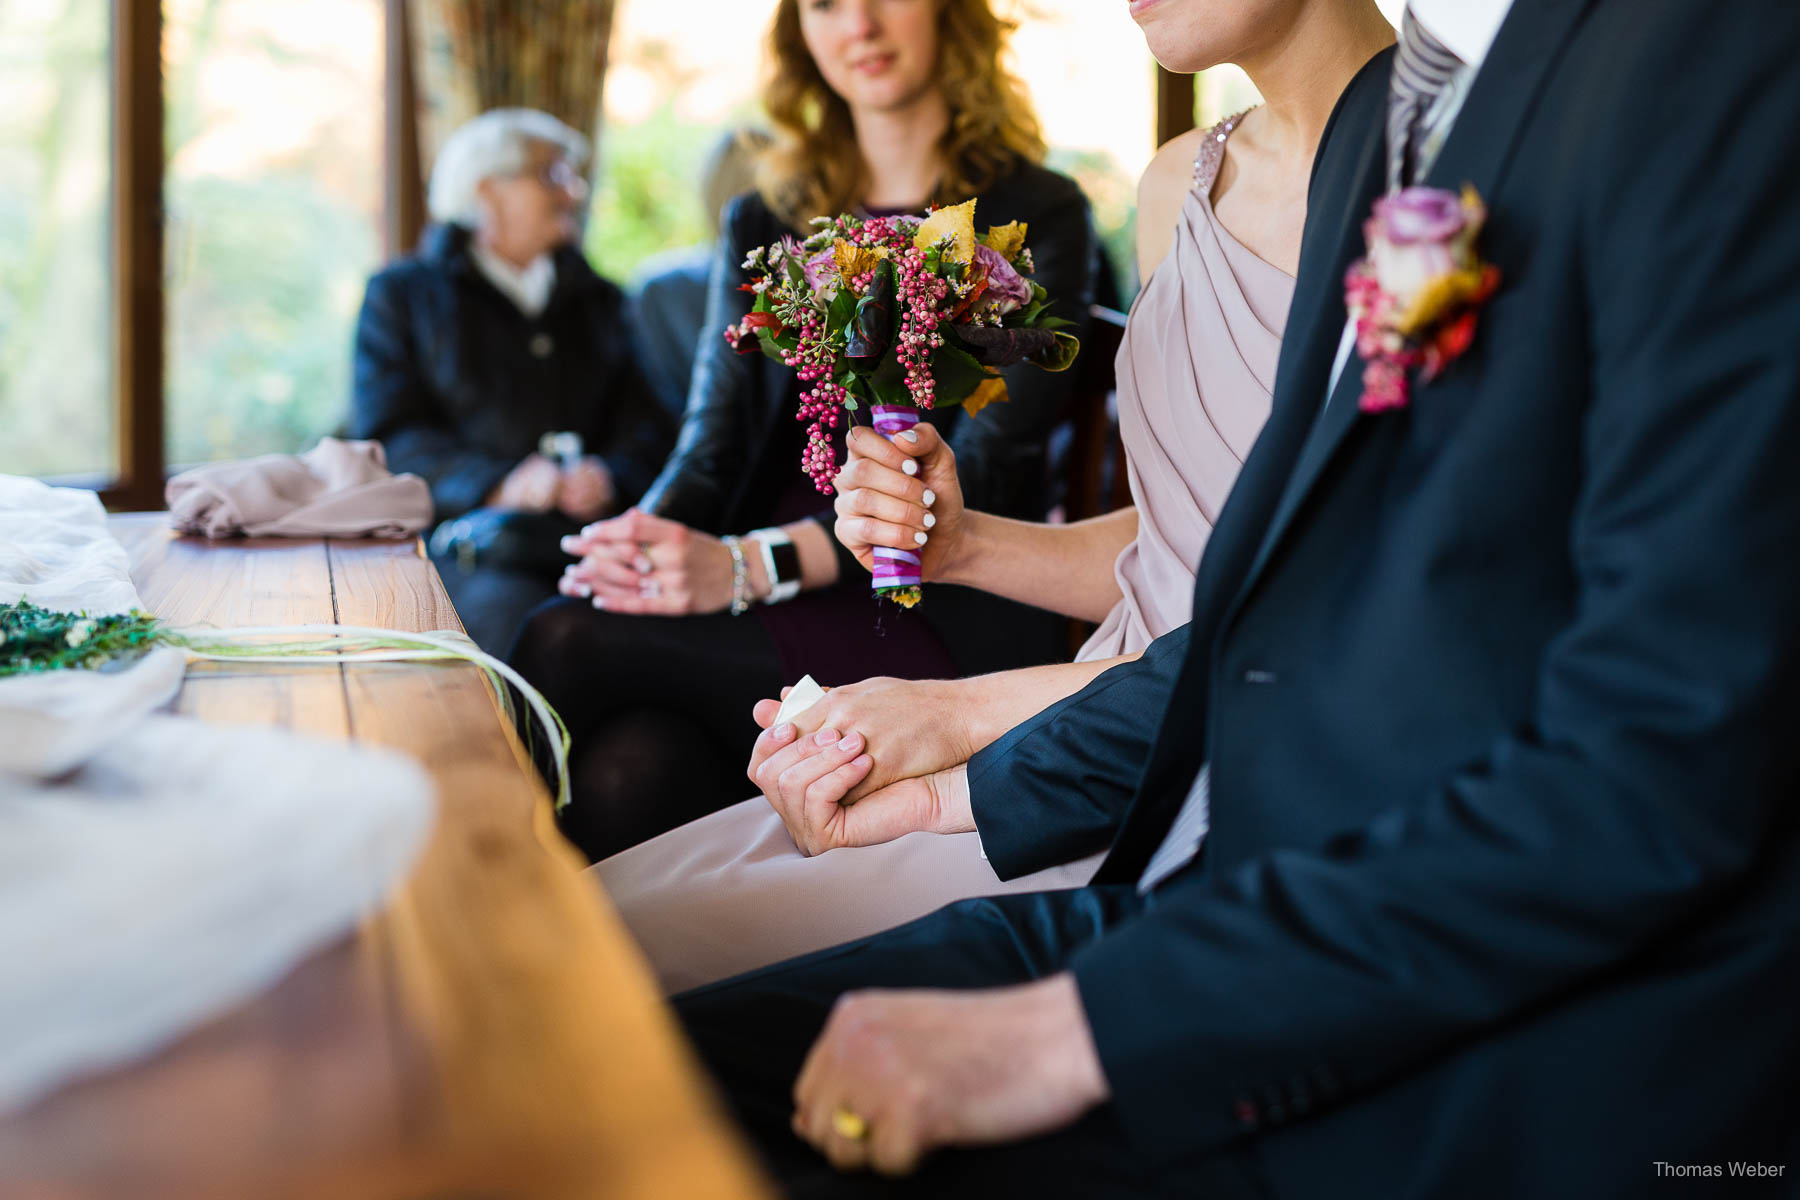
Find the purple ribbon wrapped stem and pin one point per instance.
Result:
(896, 571)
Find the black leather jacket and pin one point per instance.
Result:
(458, 384)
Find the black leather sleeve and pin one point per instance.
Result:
(639, 431)
(711, 451)
(391, 403)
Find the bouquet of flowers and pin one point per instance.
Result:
(896, 315)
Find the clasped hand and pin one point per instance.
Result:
(648, 565)
(582, 491)
(869, 763)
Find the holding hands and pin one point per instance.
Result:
(833, 787)
(903, 494)
(806, 777)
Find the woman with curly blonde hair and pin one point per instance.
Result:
(725, 582)
(992, 125)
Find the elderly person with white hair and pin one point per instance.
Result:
(496, 364)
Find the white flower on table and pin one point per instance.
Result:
(78, 633)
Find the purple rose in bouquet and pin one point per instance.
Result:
(1005, 286)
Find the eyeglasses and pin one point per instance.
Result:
(557, 173)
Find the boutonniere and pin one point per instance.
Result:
(1416, 294)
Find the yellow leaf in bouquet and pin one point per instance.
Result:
(989, 391)
(1006, 239)
(854, 261)
(957, 223)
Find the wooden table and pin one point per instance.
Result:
(493, 1033)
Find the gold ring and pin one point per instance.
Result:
(848, 1125)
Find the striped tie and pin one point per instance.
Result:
(1422, 67)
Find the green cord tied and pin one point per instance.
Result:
(35, 640)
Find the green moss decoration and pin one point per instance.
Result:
(36, 639)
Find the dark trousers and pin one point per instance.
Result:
(658, 710)
(754, 1032)
(493, 601)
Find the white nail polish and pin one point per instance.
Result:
(921, 538)
(930, 497)
(930, 520)
(911, 435)
(583, 590)
(599, 601)
(910, 467)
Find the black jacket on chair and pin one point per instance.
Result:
(740, 444)
(1502, 891)
(458, 384)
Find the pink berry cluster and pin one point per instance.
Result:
(924, 297)
(1386, 356)
(920, 293)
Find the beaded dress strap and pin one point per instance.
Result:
(1212, 151)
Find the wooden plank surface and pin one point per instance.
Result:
(494, 1032)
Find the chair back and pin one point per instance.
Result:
(1095, 462)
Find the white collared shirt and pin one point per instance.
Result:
(1467, 27)
(528, 287)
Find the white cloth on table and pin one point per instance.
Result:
(55, 550)
(179, 871)
(156, 870)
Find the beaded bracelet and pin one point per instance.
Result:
(740, 576)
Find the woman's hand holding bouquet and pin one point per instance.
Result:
(880, 502)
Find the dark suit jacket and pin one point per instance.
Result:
(738, 454)
(458, 384)
(1502, 891)
(668, 312)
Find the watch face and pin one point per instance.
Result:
(787, 563)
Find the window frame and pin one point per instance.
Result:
(137, 257)
(139, 300)
(139, 164)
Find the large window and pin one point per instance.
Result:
(273, 195)
(190, 204)
(56, 410)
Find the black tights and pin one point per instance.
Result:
(658, 709)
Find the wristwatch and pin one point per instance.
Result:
(781, 563)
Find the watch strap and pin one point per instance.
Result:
(781, 563)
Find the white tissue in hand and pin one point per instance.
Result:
(800, 697)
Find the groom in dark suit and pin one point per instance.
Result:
(1485, 715)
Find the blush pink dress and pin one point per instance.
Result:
(730, 892)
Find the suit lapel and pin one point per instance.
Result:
(1478, 150)
(1306, 351)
